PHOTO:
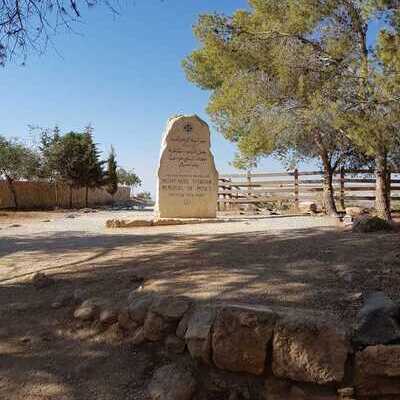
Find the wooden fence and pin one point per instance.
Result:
(351, 187)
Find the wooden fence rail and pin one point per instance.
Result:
(297, 186)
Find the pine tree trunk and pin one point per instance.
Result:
(13, 191)
(382, 189)
(329, 193)
(86, 197)
(389, 189)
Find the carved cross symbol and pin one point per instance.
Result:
(188, 128)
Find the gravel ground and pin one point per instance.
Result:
(280, 261)
(27, 239)
(307, 264)
(33, 223)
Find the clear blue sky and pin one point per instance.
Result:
(121, 74)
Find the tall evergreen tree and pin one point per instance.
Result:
(112, 176)
(93, 175)
(74, 159)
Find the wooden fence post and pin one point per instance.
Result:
(229, 205)
(237, 204)
(226, 195)
(342, 189)
(296, 190)
(223, 205)
(249, 183)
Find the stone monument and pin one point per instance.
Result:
(187, 184)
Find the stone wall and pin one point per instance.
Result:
(42, 195)
(276, 355)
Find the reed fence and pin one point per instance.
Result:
(44, 195)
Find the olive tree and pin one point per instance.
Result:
(17, 161)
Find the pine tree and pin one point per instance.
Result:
(296, 77)
(92, 173)
(74, 160)
(112, 176)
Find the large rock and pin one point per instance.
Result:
(122, 223)
(174, 345)
(377, 371)
(187, 184)
(309, 350)
(276, 389)
(170, 307)
(198, 332)
(89, 309)
(156, 327)
(86, 313)
(172, 382)
(125, 322)
(138, 336)
(240, 338)
(183, 324)
(108, 316)
(139, 306)
(377, 321)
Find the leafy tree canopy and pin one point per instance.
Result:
(128, 177)
(17, 162)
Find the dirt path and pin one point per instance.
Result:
(306, 263)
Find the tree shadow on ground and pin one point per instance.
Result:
(319, 268)
(310, 270)
(69, 244)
